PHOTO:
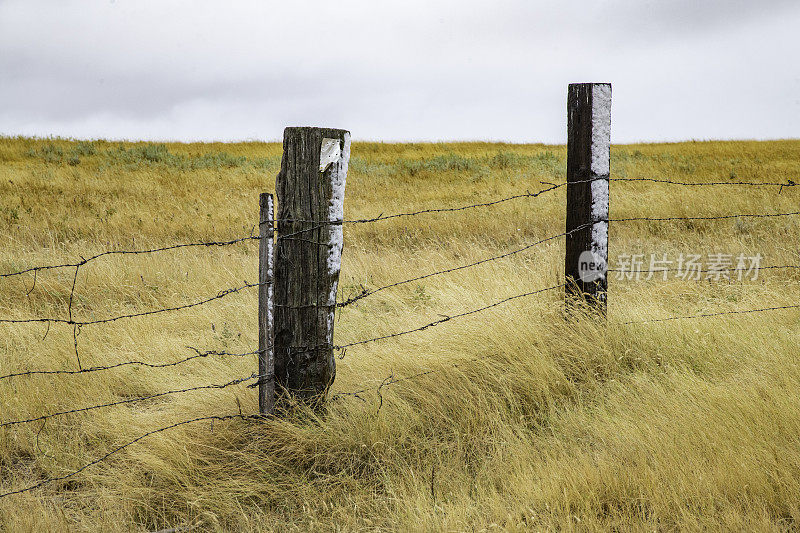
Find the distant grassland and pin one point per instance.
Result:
(560, 425)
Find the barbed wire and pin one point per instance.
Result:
(323, 223)
(706, 315)
(83, 261)
(386, 382)
(445, 318)
(381, 217)
(780, 185)
(552, 187)
(364, 293)
(133, 400)
(714, 217)
(198, 355)
(220, 418)
(81, 323)
(391, 379)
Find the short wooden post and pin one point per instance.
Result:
(588, 164)
(310, 193)
(266, 268)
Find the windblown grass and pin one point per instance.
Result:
(529, 421)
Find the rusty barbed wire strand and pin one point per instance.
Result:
(391, 380)
(255, 237)
(322, 224)
(129, 252)
(366, 293)
(118, 449)
(198, 355)
(81, 323)
(781, 185)
(133, 400)
(445, 319)
(706, 315)
(553, 186)
(715, 217)
(432, 210)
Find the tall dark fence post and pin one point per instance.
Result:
(588, 162)
(310, 194)
(266, 308)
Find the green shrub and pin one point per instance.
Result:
(84, 149)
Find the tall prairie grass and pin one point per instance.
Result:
(530, 420)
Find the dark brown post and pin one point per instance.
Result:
(588, 161)
(266, 267)
(310, 194)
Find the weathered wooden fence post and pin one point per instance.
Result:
(310, 194)
(266, 316)
(588, 163)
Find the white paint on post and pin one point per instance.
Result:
(270, 267)
(601, 128)
(266, 303)
(331, 147)
(601, 165)
(336, 207)
(329, 153)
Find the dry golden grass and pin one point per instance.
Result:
(559, 425)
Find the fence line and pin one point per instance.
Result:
(381, 217)
(386, 382)
(583, 121)
(77, 324)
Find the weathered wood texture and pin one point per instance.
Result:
(588, 160)
(266, 269)
(310, 194)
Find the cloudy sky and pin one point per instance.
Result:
(397, 70)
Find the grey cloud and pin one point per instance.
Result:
(395, 70)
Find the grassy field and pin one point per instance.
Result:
(574, 425)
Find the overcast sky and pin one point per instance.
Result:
(397, 70)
